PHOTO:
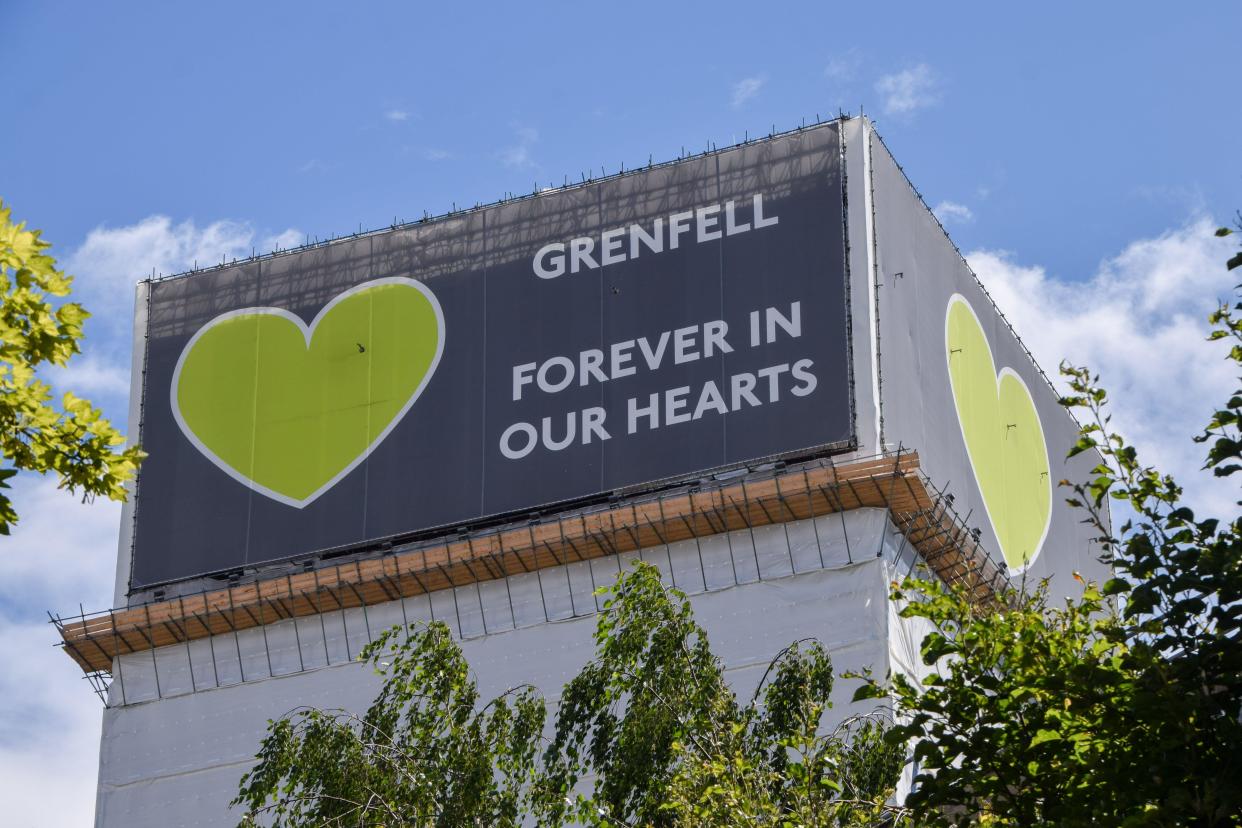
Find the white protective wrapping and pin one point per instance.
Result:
(173, 754)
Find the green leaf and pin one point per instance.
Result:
(1044, 736)
(74, 442)
(1116, 586)
(869, 690)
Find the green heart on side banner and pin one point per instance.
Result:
(288, 409)
(1004, 438)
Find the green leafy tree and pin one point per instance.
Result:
(648, 734)
(667, 743)
(424, 754)
(73, 440)
(1123, 707)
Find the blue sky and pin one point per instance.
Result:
(1079, 154)
(1067, 129)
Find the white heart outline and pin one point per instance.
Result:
(308, 332)
(1039, 546)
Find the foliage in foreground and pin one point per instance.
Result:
(74, 441)
(646, 734)
(423, 754)
(669, 743)
(1121, 708)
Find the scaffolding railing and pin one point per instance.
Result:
(777, 494)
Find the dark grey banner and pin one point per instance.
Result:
(650, 326)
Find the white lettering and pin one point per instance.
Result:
(557, 261)
(743, 389)
(771, 374)
(612, 243)
(683, 341)
(651, 411)
(506, 439)
(702, 216)
(617, 360)
(675, 404)
(655, 243)
(760, 221)
(571, 428)
(620, 359)
(802, 373)
(557, 258)
(791, 324)
(710, 400)
(565, 365)
(589, 362)
(732, 228)
(580, 252)
(653, 358)
(593, 425)
(678, 223)
(522, 376)
(714, 338)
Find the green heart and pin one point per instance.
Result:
(1004, 438)
(288, 408)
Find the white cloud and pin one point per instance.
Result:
(113, 259)
(519, 155)
(282, 241)
(909, 90)
(1140, 322)
(49, 732)
(426, 153)
(397, 115)
(950, 212)
(745, 89)
(843, 68)
(92, 376)
(62, 552)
